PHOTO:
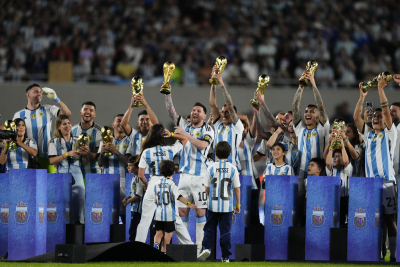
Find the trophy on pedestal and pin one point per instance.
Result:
(168, 69)
(9, 125)
(221, 64)
(312, 67)
(107, 137)
(374, 82)
(137, 88)
(337, 125)
(263, 82)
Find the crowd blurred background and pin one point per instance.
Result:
(114, 40)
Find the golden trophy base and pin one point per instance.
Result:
(108, 154)
(336, 145)
(165, 90)
(255, 102)
(304, 82)
(138, 104)
(365, 88)
(214, 81)
(12, 146)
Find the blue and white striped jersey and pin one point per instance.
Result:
(192, 159)
(344, 175)
(152, 157)
(135, 143)
(396, 154)
(222, 177)
(311, 144)
(18, 159)
(137, 190)
(166, 192)
(246, 154)
(232, 133)
(38, 125)
(112, 164)
(272, 169)
(95, 139)
(379, 152)
(57, 149)
(292, 155)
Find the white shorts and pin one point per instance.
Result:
(192, 188)
(389, 197)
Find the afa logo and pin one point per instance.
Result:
(96, 216)
(314, 133)
(67, 213)
(276, 218)
(52, 215)
(360, 219)
(5, 211)
(377, 220)
(41, 213)
(380, 135)
(33, 116)
(21, 214)
(41, 113)
(125, 146)
(318, 217)
(143, 138)
(117, 146)
(198, 134)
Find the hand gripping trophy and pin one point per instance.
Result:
(374, 82)
(221, 64)
(107, 137)
(137, 88)
(312, 67)
(263, 82)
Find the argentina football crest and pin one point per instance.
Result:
(318, 217)
(377, 220)
(360, 219)
(276, 218)
(21, 215)
(52, 215)
(41, 213)
(96, 216)
(5, 210)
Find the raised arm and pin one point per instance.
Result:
(358, 110)
(260, 129)
(171, 109)
(344, 153)
(274, 136)
(270, 118)
(296, 103)
(213, 103)
(384, 102)
(150, 112)
(323, 117)
(127, 116)
(253, 126)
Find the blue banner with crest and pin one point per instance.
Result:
(322, 213)
(100, 190)
(365, 219)
(4, 213)
(27, 220)
(58, 200)
(280, 214)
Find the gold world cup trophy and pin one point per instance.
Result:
(374, 82)
(83, 140)
(263, 82)
(107, 137)
(221, 64)
(9, 125)
(168, 69)
(337, 125)
(137, 88)
(312, 67)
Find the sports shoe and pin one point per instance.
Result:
(392, 259)
(203, 255)
(225, 260)
(157, 246)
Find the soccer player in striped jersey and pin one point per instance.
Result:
(27, 148)
(146, 119)
(227, 125)
(117, 163)
(62, 154)
(166, 192)
(192, 162)
(153, 152)
(222, 179)
(381, 141)
(279, 166)
(395, 114)
(135, 199)
(92, 129)
(38, 119)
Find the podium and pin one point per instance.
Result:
(27, 209)
(58, 203)
(240, 220)
(102, 206)
(5, 213)
(280, 214)
(365, 223)
(322, 214)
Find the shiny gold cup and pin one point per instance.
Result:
(107, 137)
(263, 82)
(83, 140)
(137, 88)
(221, 64)
(312, 67)
(374, 82)
(337, 125)
(10, 125)
(168, 70)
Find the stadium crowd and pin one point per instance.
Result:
(124, 38)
